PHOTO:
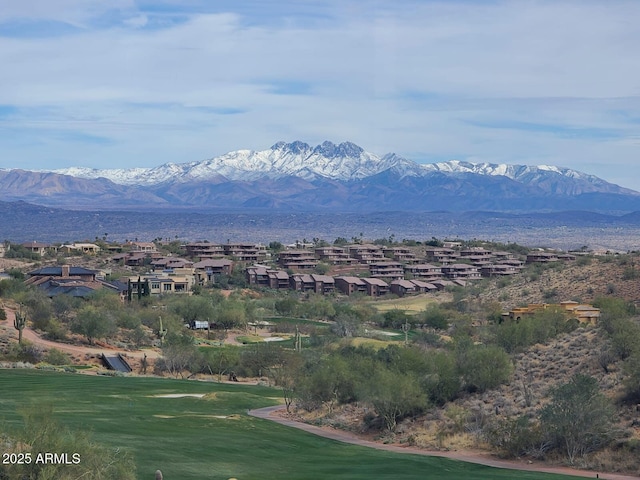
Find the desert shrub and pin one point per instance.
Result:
(435, 317)
(396, 318)
(625, 339)
(56, 357)
(538, 328)
(483, 367)
(56, 330)
(578, 419)
(515, 437)
(346, 326)
(441, 380)
(41, 433)
(394, 396)
(128, 321)
(631, 369)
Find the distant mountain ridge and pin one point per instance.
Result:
(328, 177)
(345, 161)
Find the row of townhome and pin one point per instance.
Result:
(395, 262)
(260, 275)
(241, 252)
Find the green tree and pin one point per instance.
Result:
(435, 317)
(93, 323)
(579, 418)
(194, 308)
(483, 367)
(394, 396)
(179, 354)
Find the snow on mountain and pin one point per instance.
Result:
(344, 162)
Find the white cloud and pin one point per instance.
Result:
(512, 81)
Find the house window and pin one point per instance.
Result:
(155, 286)
(167, 287)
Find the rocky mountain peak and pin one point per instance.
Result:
(296, 148)
(346, 149)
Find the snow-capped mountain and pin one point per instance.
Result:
(343, 162)
(343, 177)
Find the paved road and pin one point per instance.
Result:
(471, 457)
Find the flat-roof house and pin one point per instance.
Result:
(37, 247)
(162, 284)
(147, 247)
(87, 248)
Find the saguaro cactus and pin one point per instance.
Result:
(162, 332)
(19, 322)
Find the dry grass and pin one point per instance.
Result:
(409, 304)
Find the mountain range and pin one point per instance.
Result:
(328, 177)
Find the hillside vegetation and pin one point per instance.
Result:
(446, 372)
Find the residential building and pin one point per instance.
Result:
(245, 252)
(86, 248)
(376, 287)
(403, 287)
(72, 281)
(350, 285)
(366, 253)
(424, 287)
(497, 270)
(203, 250)
(441, 255)
(460, 270)
(262, 276)
(423, 271)
(146, 247)
(162, 284)
(334, 255)
(208, 269)
(387, 270)
(37, 247)
(297, 259)
(400, 254)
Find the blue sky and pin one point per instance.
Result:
(124, 83)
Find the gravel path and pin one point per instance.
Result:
(270, 413)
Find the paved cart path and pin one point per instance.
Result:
(272, 413)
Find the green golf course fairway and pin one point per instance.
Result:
(211, 437)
